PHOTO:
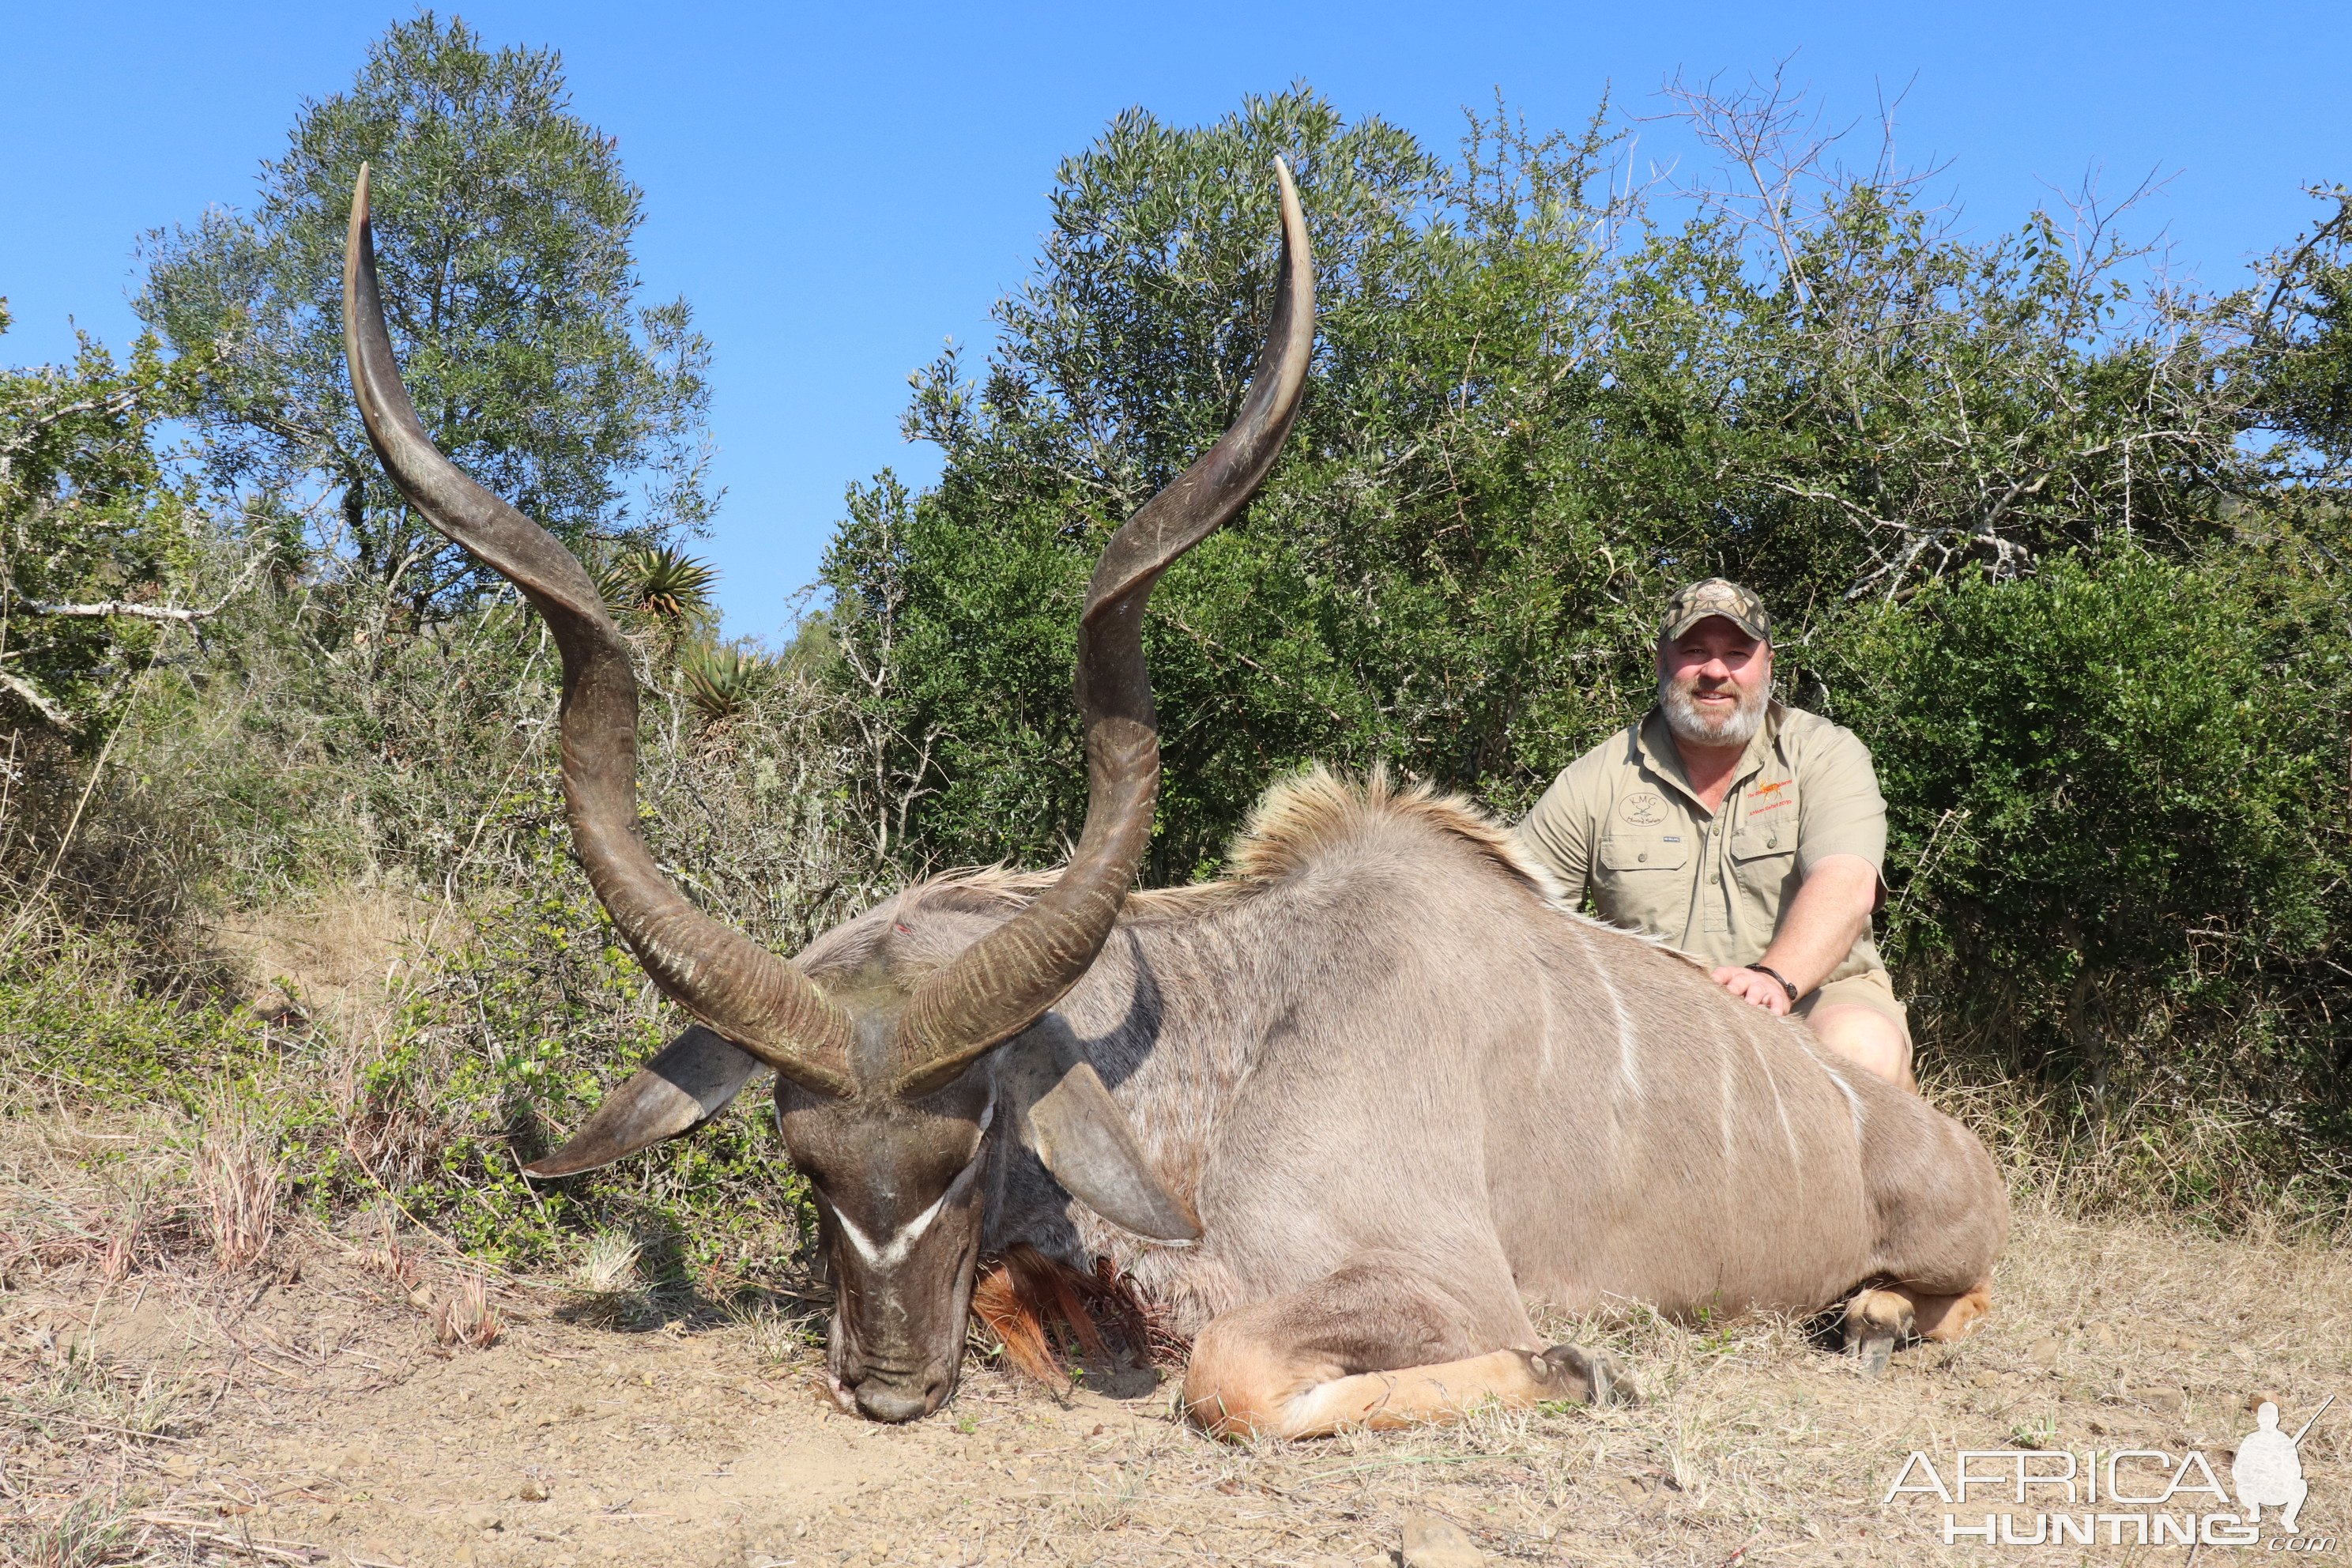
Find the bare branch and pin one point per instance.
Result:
(39, 699)
(105, 608)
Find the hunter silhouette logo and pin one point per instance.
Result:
(2137, 1497)
(2268, 1470)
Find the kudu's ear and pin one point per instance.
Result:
(1068, 1120)
(690, 1082)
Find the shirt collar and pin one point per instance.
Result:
(1655, 744)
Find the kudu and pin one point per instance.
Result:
(1338, 1114)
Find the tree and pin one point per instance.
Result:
(2301, 359)
(1994, 486)
(1537, 404)
(503, 227)
(91, 536)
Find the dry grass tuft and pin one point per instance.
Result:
(235, 1175)
(605, 1285)
(780, 1336)
(121, 1253)
(467, 1319)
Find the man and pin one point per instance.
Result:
(1746, 832)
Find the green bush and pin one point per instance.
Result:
(2116, 790)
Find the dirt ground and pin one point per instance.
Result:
(161, 1409)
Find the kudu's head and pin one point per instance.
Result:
(894, 1078)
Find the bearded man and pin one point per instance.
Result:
(1744, 832)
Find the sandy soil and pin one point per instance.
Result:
(154, 1408)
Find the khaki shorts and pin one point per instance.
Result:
(1871, 990)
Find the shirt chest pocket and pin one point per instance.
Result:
(1764, 857)
(1656, 852)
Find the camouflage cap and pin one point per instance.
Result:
(1714, 596)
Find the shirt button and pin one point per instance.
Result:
(1645, 855)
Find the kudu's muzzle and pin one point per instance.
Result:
(896, 1346)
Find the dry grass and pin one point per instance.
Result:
(91, 1532)
(70, 1392)
(235, 1173)
(338, 963)
(604, 1283)
(465, 1318)
(717, 1447)
(2201, 1159)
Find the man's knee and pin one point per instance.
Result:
(1867, 1039)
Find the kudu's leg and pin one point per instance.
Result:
(1942, 1212)
(1879, 1317)
(1371, 1344)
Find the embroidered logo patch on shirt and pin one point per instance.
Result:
(1642, 808)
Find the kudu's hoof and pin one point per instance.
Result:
(1874, 1321)
(1590, 1377)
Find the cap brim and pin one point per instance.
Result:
(1675, 629)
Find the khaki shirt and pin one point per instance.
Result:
(1622, 824)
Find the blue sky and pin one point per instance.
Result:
(839, 189)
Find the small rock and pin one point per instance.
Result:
(483, 1519)
(2163, 1401)
(2046, 1352)
(1433, 1542)
(1985, 1380)
(534, 1490)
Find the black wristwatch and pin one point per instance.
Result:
(1783, 979)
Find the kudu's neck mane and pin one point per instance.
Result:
(1296, 823)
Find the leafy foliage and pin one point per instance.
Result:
(88, 521)
(2302, 370)
(1994, 489)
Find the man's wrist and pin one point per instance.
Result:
(1783, 981)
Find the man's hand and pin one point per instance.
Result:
(1757, 990)
(1818, 928)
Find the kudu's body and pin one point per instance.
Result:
(1340, 1113)
(1404, 1090)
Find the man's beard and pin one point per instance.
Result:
(1734, 728)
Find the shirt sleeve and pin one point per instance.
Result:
(1843, 814)
(1558, 834)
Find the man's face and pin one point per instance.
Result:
(1713, 683)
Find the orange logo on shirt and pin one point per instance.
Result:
(1768, 789)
